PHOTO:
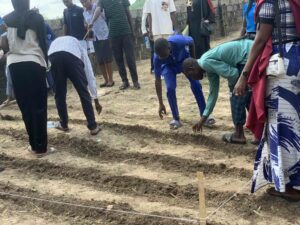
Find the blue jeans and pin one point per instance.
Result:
(170, 74)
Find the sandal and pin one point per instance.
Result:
(175, 124)
(95, 131)
(103, 85)
(124, 86)
(40, 155)
(228, 138)
(255, 142)
(7, 103)
(285, 195)
(209, 122)
(110, 85)
(58, 126)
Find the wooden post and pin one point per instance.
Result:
(202, 206)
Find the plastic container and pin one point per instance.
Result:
(147, 42)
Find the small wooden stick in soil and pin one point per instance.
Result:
(202, 206)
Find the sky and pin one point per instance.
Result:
(50, 9)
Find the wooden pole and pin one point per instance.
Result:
(202, 206)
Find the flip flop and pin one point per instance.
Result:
(175, 124)
(289, 197)
(255, 142)
(227, 138)
(58, 126)
(103, 85)
(210, 122)
(6, 104)
(40, 155)
(110, 85)
(95, 131)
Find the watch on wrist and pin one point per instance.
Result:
(245, 74)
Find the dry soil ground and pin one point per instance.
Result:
(135, 164)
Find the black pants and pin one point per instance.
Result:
(152, 54)
(65, 65)
(202, 45)
(124, 45)
(29, 82)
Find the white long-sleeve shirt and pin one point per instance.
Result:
(72, 45)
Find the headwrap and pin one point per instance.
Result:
(24, 19)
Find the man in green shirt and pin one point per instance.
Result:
(121, 34)
(226, 60)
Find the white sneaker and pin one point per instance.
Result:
(209, 122)
(175, 124)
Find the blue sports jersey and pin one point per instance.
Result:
(251, 26)
(179, 52)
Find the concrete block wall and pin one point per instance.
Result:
(229, 19)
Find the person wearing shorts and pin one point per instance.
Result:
(99, 33)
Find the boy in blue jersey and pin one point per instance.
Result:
(169, 56)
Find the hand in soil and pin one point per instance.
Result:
(98, 106)
(198, 126)
(162, 111)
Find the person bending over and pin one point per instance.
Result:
(68, 60)
(227, 61)
(168, 58)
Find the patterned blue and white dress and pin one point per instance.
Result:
(278, 156)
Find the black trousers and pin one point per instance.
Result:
(124, 45)
(63, 66)
(29, 82)
(152, 54)
(202, 45)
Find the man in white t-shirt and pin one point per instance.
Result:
(161, 17)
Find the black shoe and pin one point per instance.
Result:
(124, 86)
(136, 85)
(111, 85)
(103, 85)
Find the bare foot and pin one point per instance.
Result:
(230, 138)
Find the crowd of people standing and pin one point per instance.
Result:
(261, 66)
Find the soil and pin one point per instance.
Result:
(136, 164)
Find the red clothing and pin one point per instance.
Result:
(211, 6)
(257, 79)
(295, 5)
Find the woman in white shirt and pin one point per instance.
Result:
(27, 62)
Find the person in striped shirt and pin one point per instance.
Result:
(121, 36)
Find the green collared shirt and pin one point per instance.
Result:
(222, 61)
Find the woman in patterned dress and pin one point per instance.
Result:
(278, 156)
